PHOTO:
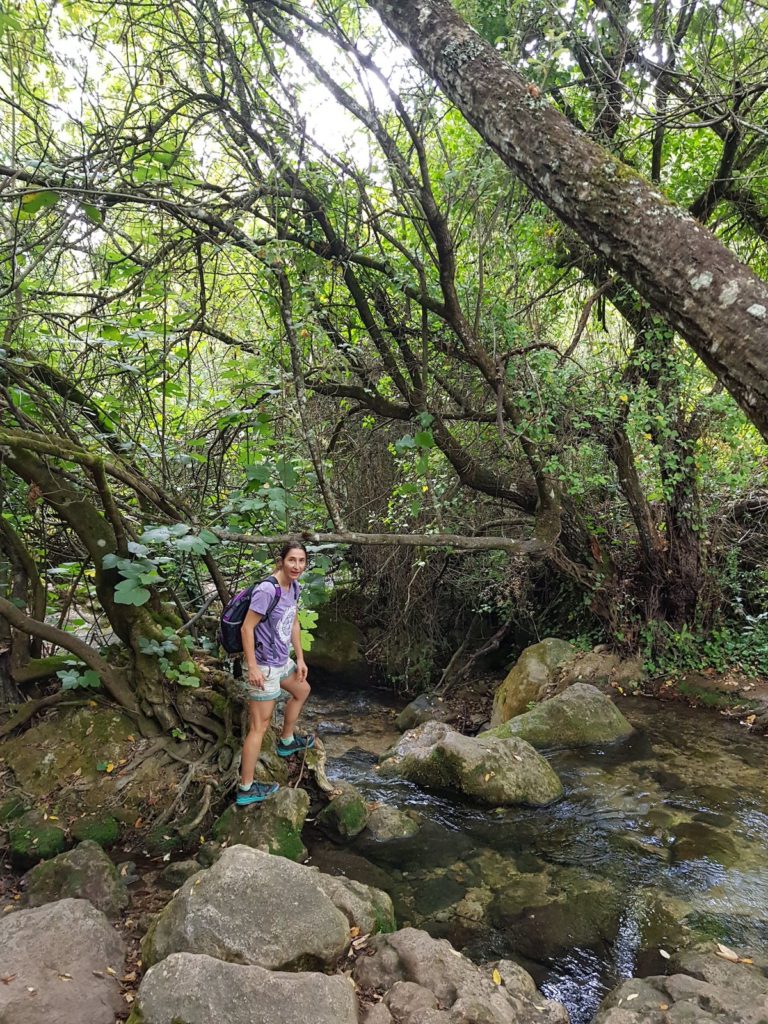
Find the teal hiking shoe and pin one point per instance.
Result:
(294, 746)
(256, 792)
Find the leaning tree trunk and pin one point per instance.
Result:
(716, 303)
(100, 534)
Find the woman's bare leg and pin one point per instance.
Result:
(299, 690)
(259, 717)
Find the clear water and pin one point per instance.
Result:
(656, 841)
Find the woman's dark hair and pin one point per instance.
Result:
(289, 546)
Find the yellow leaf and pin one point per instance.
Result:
(663, 1006)
(486, 776)
(130, 737)
(53, 817)
(354, 932)
(110, 767)
(623, 398)
(496, 976)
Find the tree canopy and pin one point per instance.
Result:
(260, 276)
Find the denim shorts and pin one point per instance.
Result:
(273, 677)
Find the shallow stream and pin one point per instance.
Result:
(658, 842)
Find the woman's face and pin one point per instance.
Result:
(294, 563)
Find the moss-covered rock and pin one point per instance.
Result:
(32, 839)
(581, 716)
(387, 823)
(337, 644)
(163, 839)
(529, 678)
(12, 808)
(346, 815)
(174, 875)
(85, 873)
(97, 828)
(273, 826)
(88, 747)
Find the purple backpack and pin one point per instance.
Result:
(233, 616)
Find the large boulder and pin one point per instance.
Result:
(529, 679)
(426, 981)
(602, 669)
(273, 826)
(489, 768)
(195, 989)
(60, 963)
(581, 716)
(84, 873)
(253, 908)
(704, 989)
(336, 645)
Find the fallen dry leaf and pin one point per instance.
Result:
(633, 996)
(129, 997)
(129, 977)
(726, 953)
(7, 978)
(663, 1006)
(110, 970)
(65, 977)
(354, 932)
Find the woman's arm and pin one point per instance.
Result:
(301, 665)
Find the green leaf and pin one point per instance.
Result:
(156, 535)
(31, 202)
(93, 213)
(128, 592)
(192, 544)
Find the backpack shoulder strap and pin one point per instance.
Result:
(275, 597)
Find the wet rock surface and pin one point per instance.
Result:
(702, 988)
(488, 768)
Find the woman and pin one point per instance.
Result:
(270, 627)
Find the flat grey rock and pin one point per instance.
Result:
(56, 957)
(188, 988)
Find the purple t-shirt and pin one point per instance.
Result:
(273, 635)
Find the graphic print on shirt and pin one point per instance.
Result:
(285, 625)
